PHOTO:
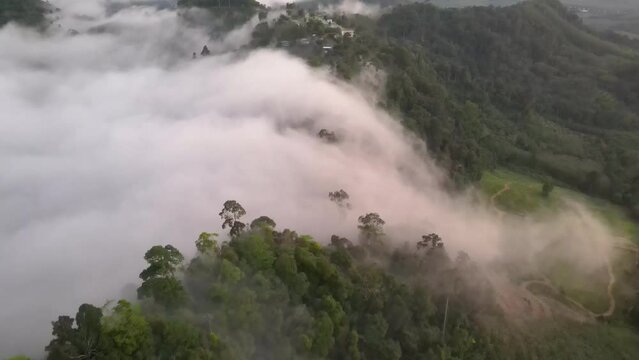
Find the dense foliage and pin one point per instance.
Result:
(526, 86)
(276, 295)
(27, 12)
(536, 89)
(268, 294)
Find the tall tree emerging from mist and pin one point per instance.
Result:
(263, 221)
(159, 281)
(431, 240)
(371, 227)
(80, 342)
(340, 197)
(231, 213)
(206, 243)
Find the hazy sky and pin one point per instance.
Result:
(115, 140)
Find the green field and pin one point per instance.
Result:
(614, 216)
(525, 197)
(573, 341)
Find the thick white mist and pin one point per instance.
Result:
(115, 140)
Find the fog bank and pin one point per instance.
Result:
(115, 140)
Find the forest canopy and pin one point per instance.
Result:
(26, 12)
(272, 294)
(527, 87)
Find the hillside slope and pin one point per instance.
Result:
(548, 94)
(525, 86)
(27, 12)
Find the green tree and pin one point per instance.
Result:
(62, 347)
(323, 340)
(340, 197)
(371, 227)
(352, 350)
(431, 240)
(83, 341)
(127, 334)
(261, 222)
(255, 251)
(159, 281)
(89, 330)
(175, 339)
(231, 213)
(207, 243)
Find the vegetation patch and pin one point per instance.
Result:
(26, 12)
(525, 195)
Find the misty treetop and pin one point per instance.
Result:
(268, 294)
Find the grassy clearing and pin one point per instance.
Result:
(525, 197)
(625, 271)
(612, 215)
(572, 341)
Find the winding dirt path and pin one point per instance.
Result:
(543, 309)
(611, 298)
(613, 279)
(583, 315)
(622, 244)
(611, 285)
(498, 193)
(494, 197)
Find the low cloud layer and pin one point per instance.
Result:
(352, 7)
(114, 140)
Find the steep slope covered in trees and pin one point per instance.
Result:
(524, 86)
(277, 295)
(543, 92)
(269, 294)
